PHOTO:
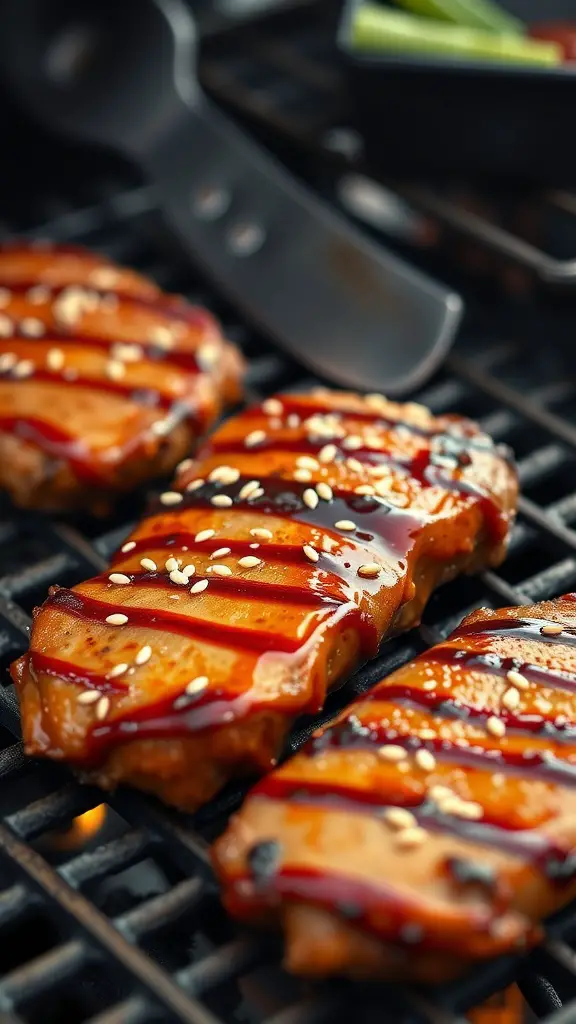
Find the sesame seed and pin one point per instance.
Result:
(207, 355)
(256, 494)
(254, 438)
(162, 337)
(189, 570)
(199, 587)
(55, 359)
(440, 793)
(115, 369)
(119, 577)
(495, 727)
(25, 368)
(273, 407)
(183, 466)
(195, 484)
(204, 535)
(293, 420)
(144, 655)
(355, 465)
(6, 326)
(430, 685)
(161, 428)
(511, 698)
(196, 685)
(410, 837)
(307, 462)
(171, 564)
(254, 546)
(221, 501)
(104, 277)
(249, 562)
(542, 705)
(89, 697)
(517, 679)
(352, 442)
(148, 563)
(129, 546)
(248, 489)
(552, 630)
(345, 524)
(310, 552)
(425, 760)
(220, 570)
(399, 817)
(328, 453)
(118, 670)
(261, 533)
(366, 489)
(427, 734)
(324, 491)
(303, 476)
(391, 752)
(470, 809)
(171, 498)
(32, 327)
(127, 353)
(310, 498)
(7, 361)
(224, 475)
(370, 570)
(181, 702)
(102, 708)
(220, 552)
(178, 577)
(117, 619)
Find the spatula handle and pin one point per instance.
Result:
(310, 280)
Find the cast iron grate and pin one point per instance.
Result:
(75, 948)
(125, 967)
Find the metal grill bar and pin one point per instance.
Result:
(148, 991)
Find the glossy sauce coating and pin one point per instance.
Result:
(434, 822)
(104, 380)
(307, 529)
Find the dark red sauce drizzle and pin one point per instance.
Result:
(426, 467)
(143, 396)
(186, 360)
(186, 542)
(387, 528)
(534, 845)
(531, 844)
(367, 904)
(172, 306)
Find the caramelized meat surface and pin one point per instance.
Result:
(307, 530)
(105, 381)
(434, 822)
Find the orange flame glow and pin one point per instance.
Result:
(82, 829)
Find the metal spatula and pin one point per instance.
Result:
(123, 75)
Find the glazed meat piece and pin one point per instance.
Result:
(308, 529)
(104, 381)
(433, 824)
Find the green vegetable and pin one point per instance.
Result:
(380, 30)
(482, 14)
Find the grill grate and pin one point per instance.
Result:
(82, 937)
